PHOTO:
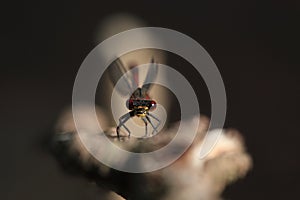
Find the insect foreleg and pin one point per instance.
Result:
(146, 124)
(154, 128)
(154, 117)
(122, 121)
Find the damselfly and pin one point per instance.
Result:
(139, 104)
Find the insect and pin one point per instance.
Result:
(139, 104)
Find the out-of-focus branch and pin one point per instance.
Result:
(187, 178)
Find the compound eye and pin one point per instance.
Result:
(152, 105)
(137, 93)
(129, 104)
(143, 92)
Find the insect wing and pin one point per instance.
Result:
(117, 73)
(151, 75)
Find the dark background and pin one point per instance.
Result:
(255, 45)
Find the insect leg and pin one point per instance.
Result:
(122, 121)
(154, 128)
(154, 117)
(146, 123)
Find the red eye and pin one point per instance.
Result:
(153, 105)
(129, 104)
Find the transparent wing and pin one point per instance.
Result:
(117, 72)
(151, 75)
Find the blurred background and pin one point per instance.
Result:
(255, 45)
